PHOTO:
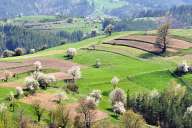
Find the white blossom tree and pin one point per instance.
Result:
(117, 95)
(38, 65)
(115, 80)
(71, 52)
(75, 72)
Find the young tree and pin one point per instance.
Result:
(162, 37)
(38, 66)
(86, 108)
(38, 111)
(61, 117)
(115, 80)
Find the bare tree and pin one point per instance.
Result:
(38, 110)
(162, 36)
(86, 108)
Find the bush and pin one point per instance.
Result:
(19, 51)
(117, 95)
(71, 52)
(8, 53)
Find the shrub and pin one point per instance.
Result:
(117, 95)
(19, 51)
(119, 108)
(71, 52)
(38, 66)
(115, 81)
(8, 53)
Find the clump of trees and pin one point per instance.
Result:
(130, 119)
(166, 109)
(183, 69)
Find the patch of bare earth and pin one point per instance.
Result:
(146, 43)
(27, 65)
(73, 112)
(46, 100)
(11, 85)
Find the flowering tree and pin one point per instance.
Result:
(115, 80)
(75, 72)
(31, 83)
(119, 108)
(117, 95)
(71, 52)
(38, 66)
(96, 95)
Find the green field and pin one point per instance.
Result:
(136, 72)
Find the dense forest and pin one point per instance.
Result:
(12, 37)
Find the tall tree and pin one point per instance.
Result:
(162, 37)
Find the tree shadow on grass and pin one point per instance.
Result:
(113, 115)
(105, 93)
(147, 55)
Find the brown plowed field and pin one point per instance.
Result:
(27, 65)
(146, 43)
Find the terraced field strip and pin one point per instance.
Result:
(173, 43)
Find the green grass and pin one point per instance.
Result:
(136, 74)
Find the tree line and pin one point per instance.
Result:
(12, 37)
